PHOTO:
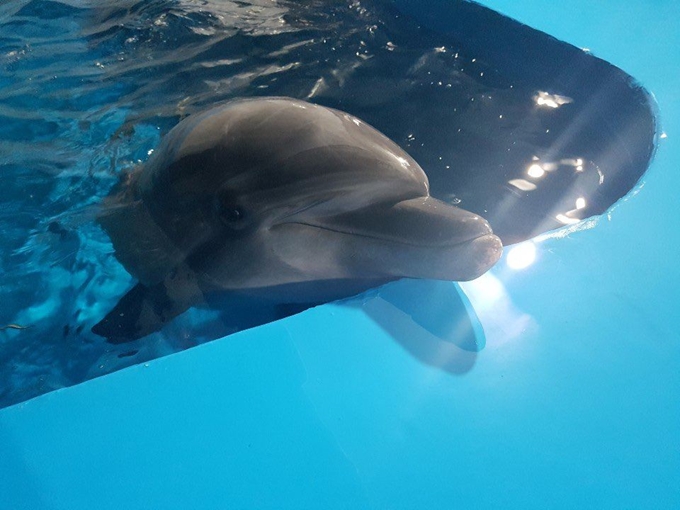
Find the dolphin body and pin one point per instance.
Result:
(283, 202)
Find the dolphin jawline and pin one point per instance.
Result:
(388, 240)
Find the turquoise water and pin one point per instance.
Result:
(573, 402)
(469, 108)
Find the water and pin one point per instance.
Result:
(574, 402)
(88, 89)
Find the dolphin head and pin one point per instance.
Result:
(265, 193)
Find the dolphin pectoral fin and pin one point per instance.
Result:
(124, 323)
(139, 244)
(145, 310)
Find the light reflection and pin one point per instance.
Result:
(320, 85)
(484, 292)
(551, 100)
(567, 231)
(571, 162)
(501, 319)
(522, 184)
(403, 162)
(566, 220)
(521, 255)
(536, 171)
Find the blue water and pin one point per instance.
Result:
(87, 93)
(573, 403)
(77, 119)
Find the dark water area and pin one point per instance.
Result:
(507, 122)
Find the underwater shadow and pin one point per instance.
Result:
(432, 320)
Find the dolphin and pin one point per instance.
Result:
(280, 201)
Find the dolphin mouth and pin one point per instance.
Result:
(422, 222)
(458, 242)
(414, 238)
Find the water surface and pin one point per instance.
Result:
(529, 132)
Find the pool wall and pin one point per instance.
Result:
(573, 403)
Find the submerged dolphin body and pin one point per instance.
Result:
(282, 201)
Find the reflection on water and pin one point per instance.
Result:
(449, 333)
(521, 255)
(495, 309)
(88, 88)
(551, 100)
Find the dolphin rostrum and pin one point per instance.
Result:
(282, 201)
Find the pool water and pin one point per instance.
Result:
(79, 119)
(563, 392)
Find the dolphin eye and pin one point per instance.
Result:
(232, 214)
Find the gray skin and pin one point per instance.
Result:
(283, 201)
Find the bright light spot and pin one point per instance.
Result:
(484, 291)
(580, 203)
(521, 256)
(501, 319)
(522, 184)
(320, 84)
(663, 135)
(551, 100)
(579, 168)
(566, 220)
(536, 171)
(403, 162)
